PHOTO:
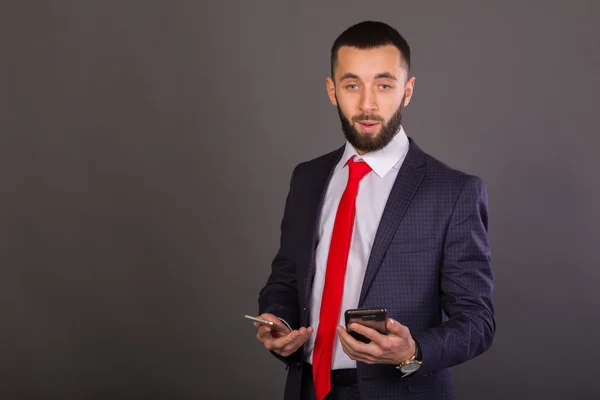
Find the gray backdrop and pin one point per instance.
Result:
(146, 151)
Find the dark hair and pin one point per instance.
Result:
(368, 35)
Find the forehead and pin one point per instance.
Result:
(368, 62)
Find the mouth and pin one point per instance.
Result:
(368, 126)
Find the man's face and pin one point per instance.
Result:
(370, 91)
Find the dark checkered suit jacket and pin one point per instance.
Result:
(429, 266)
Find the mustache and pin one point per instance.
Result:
(367, 117)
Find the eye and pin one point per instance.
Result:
(385, 87)
(352, 87)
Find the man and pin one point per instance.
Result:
(378, 223)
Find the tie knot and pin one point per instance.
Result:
(357, 169)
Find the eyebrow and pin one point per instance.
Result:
(349, 75)
(385, 75)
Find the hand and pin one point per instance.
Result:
(395, 347)
(282, 343)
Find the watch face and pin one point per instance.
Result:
(410, 367)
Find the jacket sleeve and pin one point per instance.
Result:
(280, 294)
(466, 285)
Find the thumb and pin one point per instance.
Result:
(396, 328)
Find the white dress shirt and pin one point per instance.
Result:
(372, 196)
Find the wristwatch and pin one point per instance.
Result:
(413, 364)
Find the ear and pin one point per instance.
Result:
(331, 90)
(409, 88)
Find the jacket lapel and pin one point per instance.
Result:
(320, 182)
(407, 182)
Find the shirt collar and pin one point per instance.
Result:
(383, 160)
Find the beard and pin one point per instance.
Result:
(366, 142)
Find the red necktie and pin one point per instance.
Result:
(331, 300)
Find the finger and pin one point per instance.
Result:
(301, 338)
(347, 349)
(356, 348)
(292, 346)
(272, 340)
(357, 356)
(349, 340)
(306, 332)
(396, 328)
(344, 336)
(367, 332)
(287, 340)
(261, 335)
(264, 332)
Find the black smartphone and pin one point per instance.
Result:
(374, 318)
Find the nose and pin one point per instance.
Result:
(368, 101)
